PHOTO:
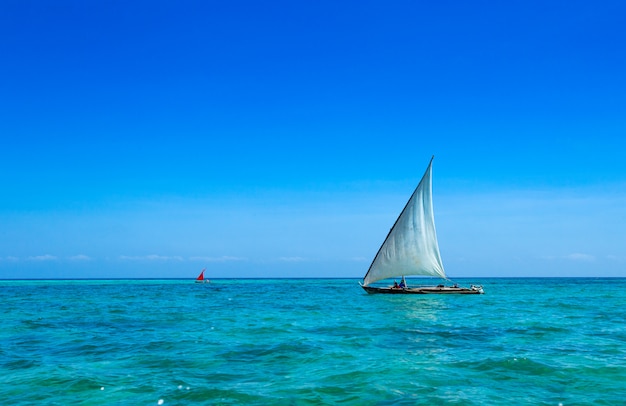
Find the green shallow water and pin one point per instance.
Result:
(299, 342)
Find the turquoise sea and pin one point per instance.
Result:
(558, 341)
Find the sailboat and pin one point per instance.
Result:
(411, 248)
(200, 278)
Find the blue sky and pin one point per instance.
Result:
(262, 139)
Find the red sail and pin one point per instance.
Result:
(201, 276)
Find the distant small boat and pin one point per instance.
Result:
(411, 248)
(200, 278)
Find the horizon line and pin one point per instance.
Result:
(301, 278)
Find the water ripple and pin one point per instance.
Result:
(308, 342)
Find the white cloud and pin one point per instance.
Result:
(46, 257)
(571, 257)
(10, 259)
(80, 257)
(292, 259)
(360, 259)
(217, 259)
(152, 257)
(580, 257)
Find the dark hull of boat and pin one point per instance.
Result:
(425, 290)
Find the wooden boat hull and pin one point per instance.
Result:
(426, 290)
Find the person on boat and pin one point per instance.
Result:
(402, 283)
(395, 285)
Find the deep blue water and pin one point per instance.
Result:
(321, 341)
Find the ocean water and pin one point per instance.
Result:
(305, 342)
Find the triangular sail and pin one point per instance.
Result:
(201, 276)
(411, 247)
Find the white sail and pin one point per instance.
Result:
(411, 246)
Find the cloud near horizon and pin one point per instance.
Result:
(577, 256)
(46, 257)
(152, 257)
(9, 259)
(580, 257)
(292, 259)
(224, 258)
(615, 258)
(80, 257)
